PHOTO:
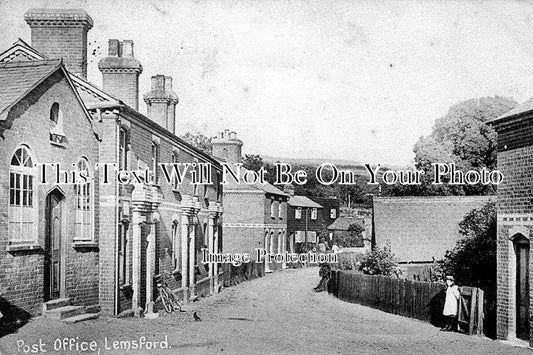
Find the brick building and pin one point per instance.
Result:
(255, 215)
(132, 231)
(48, 231)
(340, 230)
(515, 223)
(304, 222)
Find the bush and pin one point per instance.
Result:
(473, 260)
(381, 261)
(349, 260)
(353, 239)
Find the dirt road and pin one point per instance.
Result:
(276, 314)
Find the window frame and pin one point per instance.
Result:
(22, 170)
(314, 213)
(89, 190)
(57, 134)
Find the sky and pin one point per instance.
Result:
(356, 80)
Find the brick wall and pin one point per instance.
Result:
(141, 135)
(515, 213)
(22, 272)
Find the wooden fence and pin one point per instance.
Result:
(233, 275)
(413, 299)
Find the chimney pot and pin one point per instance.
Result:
(168, 83)
(114, 48)
(158, 82)
(127, 48)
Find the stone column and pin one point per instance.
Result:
(185, 214)
(150, 269)
(211, 248)
(192, 251)
(284, 247)
(141, 196)
(138, 220)
(215, 265)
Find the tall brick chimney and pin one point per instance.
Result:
(61, 33)
(227, 147)
(161, 102)
(120, 72)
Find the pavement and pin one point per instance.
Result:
(277, 314)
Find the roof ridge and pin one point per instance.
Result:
(30, 63)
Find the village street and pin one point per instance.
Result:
(276, 314)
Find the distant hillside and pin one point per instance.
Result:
(340, 163)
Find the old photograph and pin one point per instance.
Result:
(266, 177)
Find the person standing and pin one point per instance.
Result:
(451, 304)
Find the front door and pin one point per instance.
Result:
(52, 262)
(522, 288)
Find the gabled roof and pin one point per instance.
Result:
(266, 187)
(342, 223)
(20, 51)
(92, 96)
(303, 201)
(422, 228)
(19, 78)
(519, 110)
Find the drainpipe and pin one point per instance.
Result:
(117, 230)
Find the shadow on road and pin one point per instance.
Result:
(13, 317)
(435, 307)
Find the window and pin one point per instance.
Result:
(155, 161)
(298, 213)
(175, 160)
(314, 212)
(123, 149)
(333, 213)
(83, 204)
(280, 209)
(272, 209)
(218, 183)
(124, 277)
(197, 171)
(56, 124)
(176, 246)
(21, 211)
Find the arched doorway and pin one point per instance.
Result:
(53, 251)
(521, 249)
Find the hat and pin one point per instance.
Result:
(450, 277)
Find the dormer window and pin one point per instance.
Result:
(57, 135)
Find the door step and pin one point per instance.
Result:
(60, 302)
(63, 310)
(81, 318)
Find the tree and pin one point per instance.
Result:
(463, 137)
(354, 237)
(473, 260)
(252, 162)
(381, 261)
(199, 141)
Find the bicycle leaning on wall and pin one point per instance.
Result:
(168, 298)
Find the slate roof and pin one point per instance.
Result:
(266, 187)
(19, 78)
(422, 228)
(303, 201)
(342, 223)
(93, 96)
(20, 50)
(517, 111)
